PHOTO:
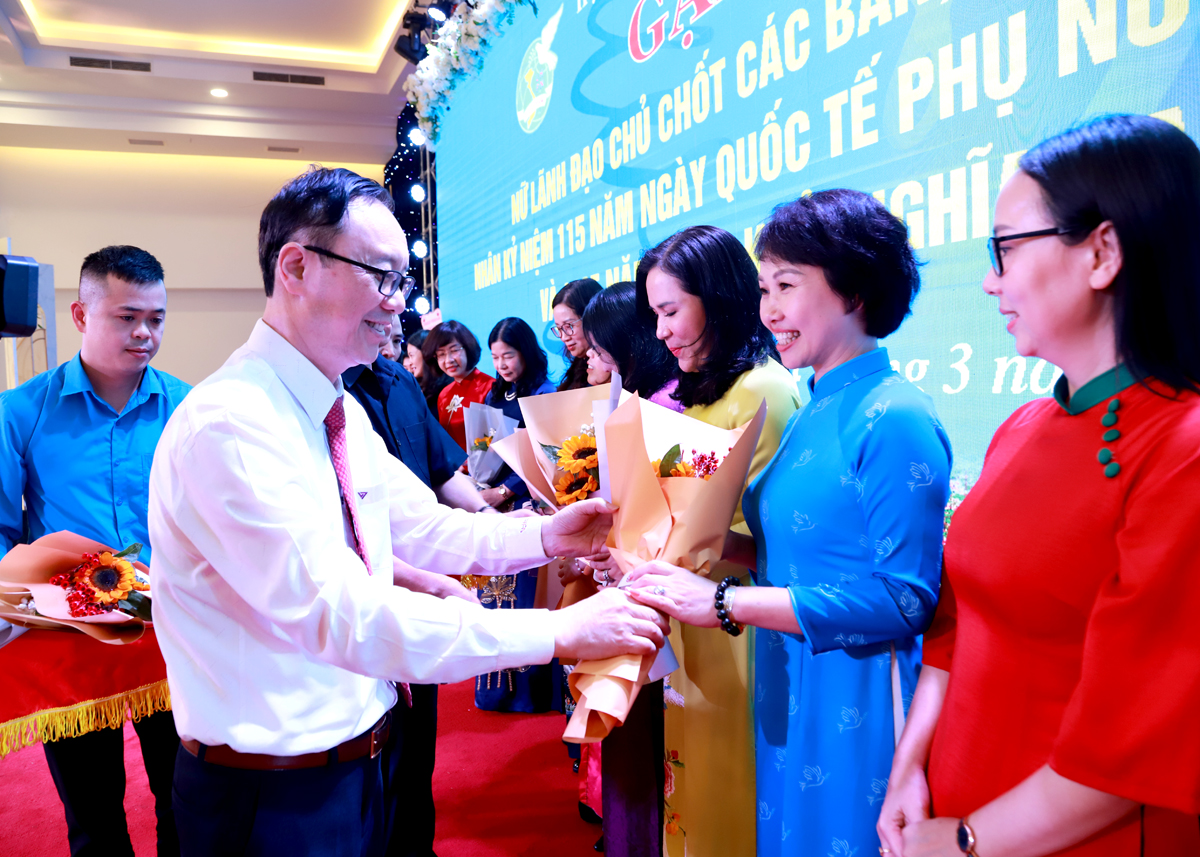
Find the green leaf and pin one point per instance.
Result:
(551, 451)
(132, 551)
(670, 461)
(136, 604)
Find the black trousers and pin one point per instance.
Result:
(408, 759)
(89, 773)
(331, 811)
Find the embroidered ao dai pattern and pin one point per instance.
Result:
(848, 516)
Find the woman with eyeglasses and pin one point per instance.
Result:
(568, 307)
(456, 351)
(700, 288)
(1056, 710)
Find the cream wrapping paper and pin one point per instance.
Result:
(679, 520)
(27, 569)
(482, 421)
(550, 419)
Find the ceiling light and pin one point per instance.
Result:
(218, 93)
(417, 137)
(440, 11)
(421, 305)
(418, 192)
(420, 249)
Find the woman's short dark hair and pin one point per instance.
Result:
(448, 333)
(515, 333)
(311, 208)
(576, 294)
(861, 247)
(612, 324)
(1143, 175)
(712, 264)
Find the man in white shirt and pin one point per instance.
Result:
(280, 525)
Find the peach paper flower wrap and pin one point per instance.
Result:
(679, 520)
(27, 569)
(550, 419)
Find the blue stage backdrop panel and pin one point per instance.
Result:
(597, 129)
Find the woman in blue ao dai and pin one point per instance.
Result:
(847, 532)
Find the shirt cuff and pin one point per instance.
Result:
(524, 636)
(526, 539)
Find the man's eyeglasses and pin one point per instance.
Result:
(389, 281)
(996, 240)
(567, 328)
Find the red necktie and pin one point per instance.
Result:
(335, 428)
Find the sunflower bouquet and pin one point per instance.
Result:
(67, 581)
(579, 460)
(659, 515)
(557, 454)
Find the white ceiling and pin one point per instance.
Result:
(194, 47)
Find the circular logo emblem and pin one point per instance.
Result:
(535, 80)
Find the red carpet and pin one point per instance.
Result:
(503, 784)
(503, 788)
(31, 817)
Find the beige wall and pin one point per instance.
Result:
(198, 215)
(204, 326)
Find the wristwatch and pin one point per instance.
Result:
(966, 838)
(504, 492)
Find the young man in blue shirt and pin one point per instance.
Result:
(76, 443)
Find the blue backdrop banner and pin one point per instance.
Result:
(596, 129)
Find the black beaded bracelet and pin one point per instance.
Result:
(727, 624)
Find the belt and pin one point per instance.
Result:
(369, 743)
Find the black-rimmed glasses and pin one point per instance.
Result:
(389, 281)
(565, 329)
(995, 241)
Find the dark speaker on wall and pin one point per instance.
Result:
(18, 295)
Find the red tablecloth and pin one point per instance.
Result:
(59, 684)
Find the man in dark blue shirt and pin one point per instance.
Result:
(393, 400)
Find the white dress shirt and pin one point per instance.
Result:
(276, 639)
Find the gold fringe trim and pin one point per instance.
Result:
(72, 721)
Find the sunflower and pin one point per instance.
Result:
(681, 468)
(109, 578)
(578, 454)
(574, 486)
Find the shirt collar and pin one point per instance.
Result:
(1094, 391)
(847, 373)
(299, 374)
(76, 380)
